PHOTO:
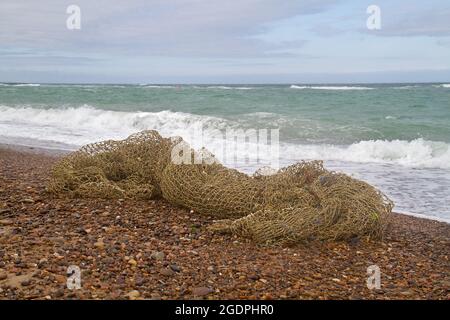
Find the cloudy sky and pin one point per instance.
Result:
(217, 41)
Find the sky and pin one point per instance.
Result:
(217, 41)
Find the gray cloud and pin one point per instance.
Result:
(212, 28)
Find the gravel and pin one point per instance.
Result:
(151, 252)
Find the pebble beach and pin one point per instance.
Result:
(128, 249)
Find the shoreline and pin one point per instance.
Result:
(55, 152)
(130, 249)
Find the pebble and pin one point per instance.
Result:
(99, 244)
(6, 222)
(201, 291)
(166, 272)
(26, 283)
(253, 277)
(133, 295)
(59, 293)
(132, 262)
(42, 262)
(155, 296)
(418, 259)
(407, 293)
(175, 268)
(157, 255)
(139, 281)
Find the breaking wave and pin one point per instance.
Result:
(330, 87)
(20, 85)
(81, 125)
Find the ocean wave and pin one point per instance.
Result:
(20, 85)
(85, 124)
(407, 87)
(26, 85)
(219, 87)
(443, 85)
(226, 88)
(330, 87)
(160, 86)
(418, 153)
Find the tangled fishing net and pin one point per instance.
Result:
(301, 202)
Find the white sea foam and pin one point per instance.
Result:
(159, 86)
(330, 87)
(20, 85)
(220, 87)
(27, 85)
(227, 88)
(406, 87)
(418, 153)
(390, 165)
(85, 124)
(444, 85)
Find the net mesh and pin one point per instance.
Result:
(301, 202)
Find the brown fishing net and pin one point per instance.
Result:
(301, 202)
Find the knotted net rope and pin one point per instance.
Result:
(301, 202)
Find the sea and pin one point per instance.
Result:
(394, 136)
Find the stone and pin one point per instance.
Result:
(175, 268)
(59, 293)
(133, 295)
(26, 282)
(157, 255)
(201, 291)
(155, 296)
(166, 272)
(6, 222)
(42, 262)
(253, 277)
(139, 281)
(100, 244)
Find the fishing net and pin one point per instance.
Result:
(301, 202)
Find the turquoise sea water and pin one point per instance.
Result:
(396, 136)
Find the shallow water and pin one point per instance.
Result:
(394, 136)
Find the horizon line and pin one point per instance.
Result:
(222, 83)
